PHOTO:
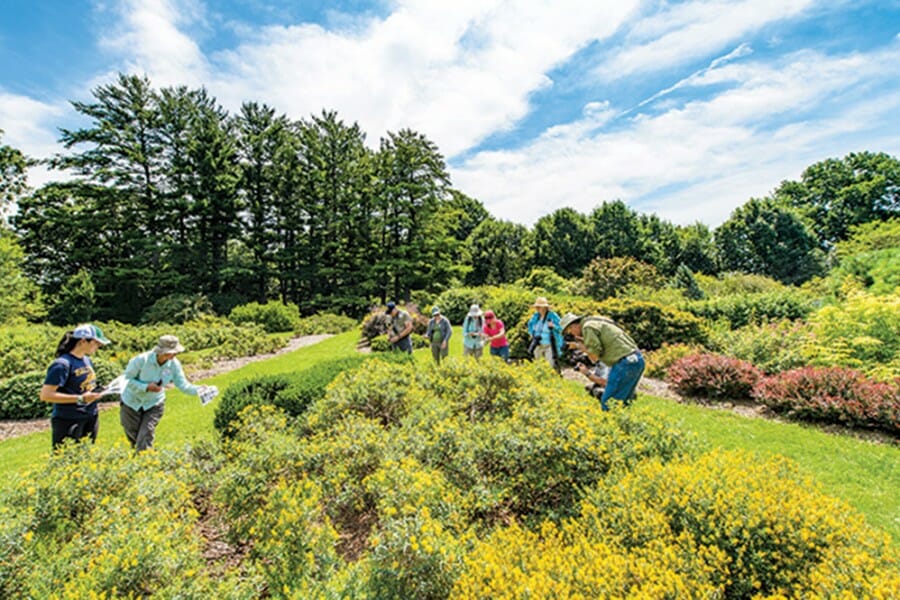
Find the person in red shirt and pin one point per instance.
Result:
(496, 334)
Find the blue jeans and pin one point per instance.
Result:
(502, 352)
(404, 345)
(623, 379)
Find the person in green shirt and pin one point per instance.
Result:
(438, 333)
(400, 328)
(604, 341)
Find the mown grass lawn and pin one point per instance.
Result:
(864, 474)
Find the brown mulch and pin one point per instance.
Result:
(15, 428)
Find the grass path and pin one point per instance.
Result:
(864, 474)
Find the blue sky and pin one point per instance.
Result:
(683, 109)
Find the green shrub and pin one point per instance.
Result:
(292, 393)
(544, 280)
(659, 360)
(325, 323)
(773, 347)
(862, 333)
(20, 397)
(608, 277)
(455, 302)
(736, 283)
(762, 529)
(102, 523)
(652, 325)
(743, 309)
(178, 308)
(273, 316)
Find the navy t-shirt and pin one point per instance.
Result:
(72, 375)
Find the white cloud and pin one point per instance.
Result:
(690, 31)
(456, 72)
(699, 161)
(150, 40)
(28, 126)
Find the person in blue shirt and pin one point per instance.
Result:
(546, 336)
(148, 376)
(71, 385)
(473, 334)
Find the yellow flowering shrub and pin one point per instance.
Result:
(567, 562)
(862, 333)
(777, 532)
(291, 537)
(102, 523)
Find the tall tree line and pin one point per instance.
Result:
(172, 195)
(169, 194)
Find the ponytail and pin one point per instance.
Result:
(66, 344)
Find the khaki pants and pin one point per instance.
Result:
(140, 425)
(545, 351)
(476, 352)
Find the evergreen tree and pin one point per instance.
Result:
(412, 183)
(13, 178)
(262, 142)
(764, 237)
(562, 240)
(334, 178)
(74, 301)
(497, 252)
(615, 231)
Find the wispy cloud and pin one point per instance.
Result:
(685, 32)
(715, 152)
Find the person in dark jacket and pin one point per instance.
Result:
(71, 385)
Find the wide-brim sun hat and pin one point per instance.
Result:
(567, 320)
(541, 302)
(168, 344)
(475, 311)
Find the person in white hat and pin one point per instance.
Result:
(70, 385)
(545, 332)
(473, 336)
(148, 376)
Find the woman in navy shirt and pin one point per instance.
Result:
(70, 384)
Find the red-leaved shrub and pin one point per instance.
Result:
(834, 395)
(713, 376)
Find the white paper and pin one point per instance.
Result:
(116, 386)
(207, 393)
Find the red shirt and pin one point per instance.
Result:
(492, 327)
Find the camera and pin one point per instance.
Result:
(576, 357)
(595, 389)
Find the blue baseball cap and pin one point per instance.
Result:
(390, 307)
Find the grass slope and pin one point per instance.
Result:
(863, 474)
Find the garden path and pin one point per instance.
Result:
(16, 428)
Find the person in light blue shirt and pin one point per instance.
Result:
(546, 336)
(473, 334)
(148, 376)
